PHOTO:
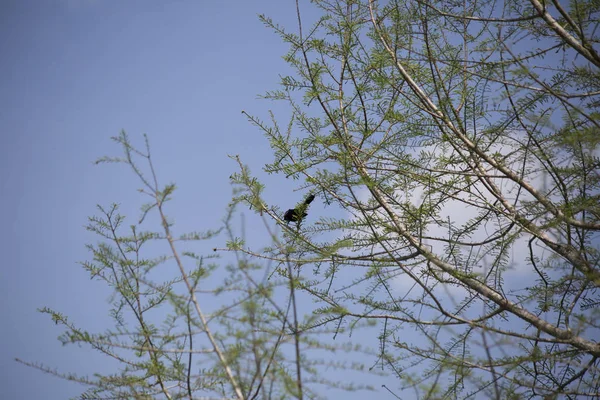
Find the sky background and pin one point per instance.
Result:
(73, 74)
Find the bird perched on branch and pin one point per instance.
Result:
(296, 214)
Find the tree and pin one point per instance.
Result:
(456, 144)
(205, 330)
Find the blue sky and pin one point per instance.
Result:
(76, 72)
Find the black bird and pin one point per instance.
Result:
(296, 214)
(292, 215)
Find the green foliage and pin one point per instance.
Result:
(215, 329)
(458, 150)
(456, 147)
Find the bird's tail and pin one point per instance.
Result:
(309, 199)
